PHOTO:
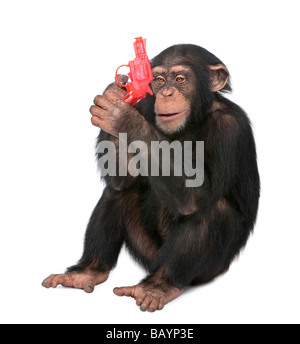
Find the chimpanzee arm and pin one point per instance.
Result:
(119, 180)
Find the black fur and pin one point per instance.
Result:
(183, 235)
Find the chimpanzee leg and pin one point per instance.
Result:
(104, 235)
(103, 241)
(199, 248)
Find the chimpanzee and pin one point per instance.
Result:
(182, 235)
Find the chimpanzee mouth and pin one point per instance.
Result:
(168, 116)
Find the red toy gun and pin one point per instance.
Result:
(140, 74)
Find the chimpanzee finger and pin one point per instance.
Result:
(153, 305)
(96, 121)
(113, 96)
(89, 287)
(140, 298)
(124, 291)
(102, 101)
(116, 87)
(47, 283)
(96, 111)
(122, 79)
(146, 303)
(161, 304)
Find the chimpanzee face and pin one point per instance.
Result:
(174, 87)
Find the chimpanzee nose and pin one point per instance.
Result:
(167, 91)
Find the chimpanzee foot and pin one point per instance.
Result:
(81, 280)
(149, 296)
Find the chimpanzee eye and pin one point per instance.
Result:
(160, 79)
(180, 78)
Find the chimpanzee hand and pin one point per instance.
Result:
(116, 87)
(111, 113)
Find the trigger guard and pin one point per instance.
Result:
(117, 79)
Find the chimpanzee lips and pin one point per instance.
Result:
(166, 116)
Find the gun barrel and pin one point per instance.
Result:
(140, 47)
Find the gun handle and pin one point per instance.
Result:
(129, 99)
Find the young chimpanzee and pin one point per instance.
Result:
(182, 235)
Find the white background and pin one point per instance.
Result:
(55, 57)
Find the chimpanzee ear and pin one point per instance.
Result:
(219, 76)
